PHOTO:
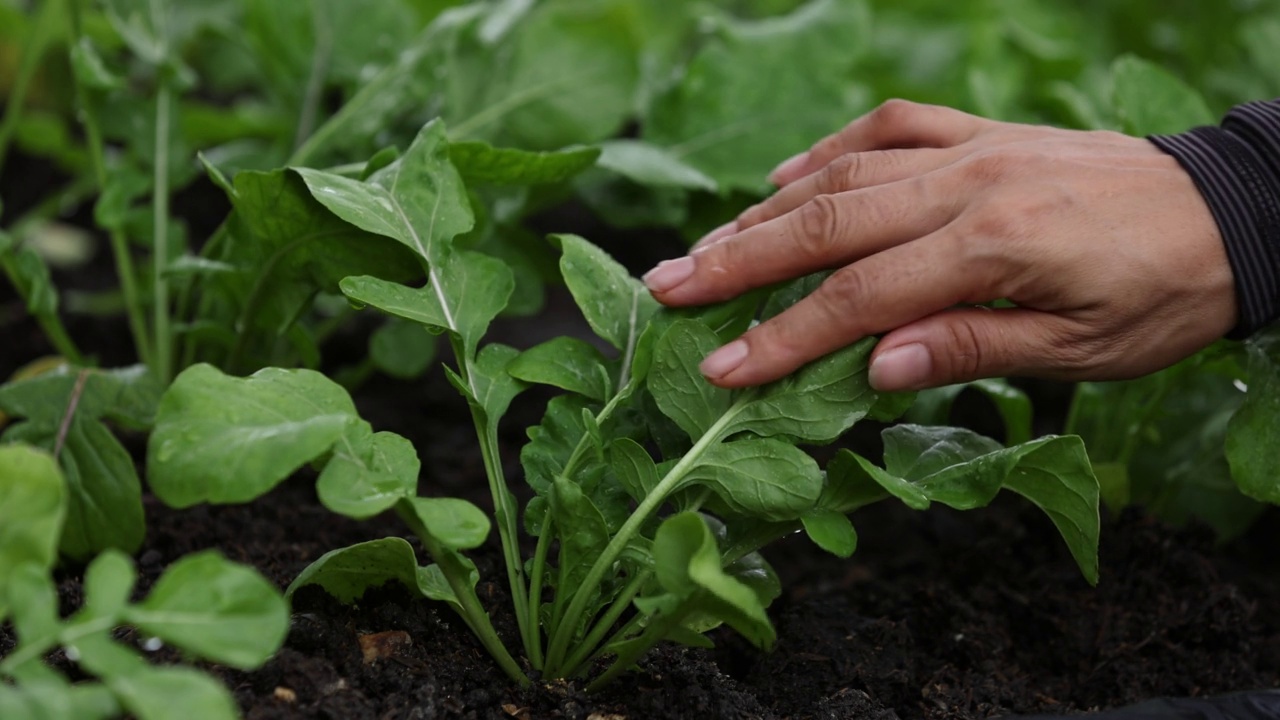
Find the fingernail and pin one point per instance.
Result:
(788, 167)
(715, 236)
(668, 274)
(725, 360)
(902, 368)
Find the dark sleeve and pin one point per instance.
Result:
(1236, 166)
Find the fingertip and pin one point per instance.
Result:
(902, 368)
(789, 170)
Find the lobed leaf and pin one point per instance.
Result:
(346, 573)
(368, 473)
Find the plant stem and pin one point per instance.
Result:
(653, 634)
(606, 623)
(665, 486)
(536, 572)
(119, 243)
(472, 611)
(160, 249)
(503, 504)
(315, 80)
(51, 324)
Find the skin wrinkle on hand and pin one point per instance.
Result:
(1101, 241)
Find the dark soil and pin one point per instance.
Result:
(939, 615)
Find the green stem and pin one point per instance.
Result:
(119, 243)
(620, 605)
(536, 572)
(469, 605)
(315, 80)
(50, 324)
(160, 250)
(646, 508)
(503, 504)
(653, 634)
(45, 26)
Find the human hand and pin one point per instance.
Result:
(1101, 240)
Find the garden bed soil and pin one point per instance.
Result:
(938, 615)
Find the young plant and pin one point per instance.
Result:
(631, 548)
(203, 604)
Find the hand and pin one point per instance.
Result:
(1102, 242)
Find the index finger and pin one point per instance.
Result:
(896, 124)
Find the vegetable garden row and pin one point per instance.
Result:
(244, 239)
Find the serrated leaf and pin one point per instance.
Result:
(224, 439)
(216, 609)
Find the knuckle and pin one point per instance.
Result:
(989, 167)
(818, 226)
(846, 288)
(840, 174)
(894, 112)
(963, 358)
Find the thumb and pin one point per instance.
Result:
(967, 344)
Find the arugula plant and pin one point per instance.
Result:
(632, 547)
(203, 604)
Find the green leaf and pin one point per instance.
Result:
(816, 403)
(552, 441)
(831, 531)
(933, 407)
(348, 572)
(721, 119)
(1250, 442)
(1152, 101)
(677, 385)
(419, 199)
(104, 494)
(454, 523)
(402, 349)
(480, 162)
(652, 166)
(466, 292)
(126, 395)
(287, 246)
(489, 384)
(32, 507)
(368, 473)
(615, 305)
(33, 600)
(567, 363)
(174, 693)
(224, 439)
(216, 609)
(634, 468)
(760, 478)
(687, 564)
(964, 470)
(581, 530)
(108, 582)
(57, 701)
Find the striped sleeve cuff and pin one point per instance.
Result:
(1237, 169)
